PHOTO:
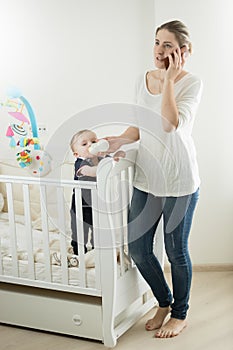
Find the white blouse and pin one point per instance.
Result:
(166, 162)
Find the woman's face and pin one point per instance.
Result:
(165, 44)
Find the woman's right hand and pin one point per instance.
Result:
(115, 142)
(130, 135)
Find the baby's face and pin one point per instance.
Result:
(82, 144)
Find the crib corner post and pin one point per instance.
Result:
(107, 254)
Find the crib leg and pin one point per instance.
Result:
(110, 342)
(109, 299)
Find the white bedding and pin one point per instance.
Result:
(37, 237)
(56, 272)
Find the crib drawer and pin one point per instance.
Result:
(53, 311)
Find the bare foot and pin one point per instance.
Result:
(157, 321)
(172, 328)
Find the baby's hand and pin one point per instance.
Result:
(87, 170)
(118, 155)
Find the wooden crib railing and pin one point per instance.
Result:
(110, 201)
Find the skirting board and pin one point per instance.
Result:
(207, 267)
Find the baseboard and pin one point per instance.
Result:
(212, 267)
(207, 267)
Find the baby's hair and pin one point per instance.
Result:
(76, 136)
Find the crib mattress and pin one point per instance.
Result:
(39, 266)
(40, 272)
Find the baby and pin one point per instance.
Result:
(85, 168)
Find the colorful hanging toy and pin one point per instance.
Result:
(30, 155)
(24, 158)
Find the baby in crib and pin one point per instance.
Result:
(85, 168)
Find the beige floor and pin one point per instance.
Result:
(210, 325)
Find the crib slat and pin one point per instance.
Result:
(43, 201)
(130, 177)
(110, 199)
(15, 267)
(96, 233)
(62, 231)
(80, 233)
(126, 192)
(125, 202)
(27, 214)
(119, 223)
(124, 214)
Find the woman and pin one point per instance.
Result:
(166, 182)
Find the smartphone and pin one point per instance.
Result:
(166, 61)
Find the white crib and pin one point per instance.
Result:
(104, 295)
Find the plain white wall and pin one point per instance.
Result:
(69, 55)
(210, 24)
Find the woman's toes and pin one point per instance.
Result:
(171, 329)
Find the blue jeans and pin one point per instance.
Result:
(144, 215)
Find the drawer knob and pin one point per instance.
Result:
(77, 320)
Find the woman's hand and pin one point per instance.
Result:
(130, 135)
(115, 142)
(177, 61)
